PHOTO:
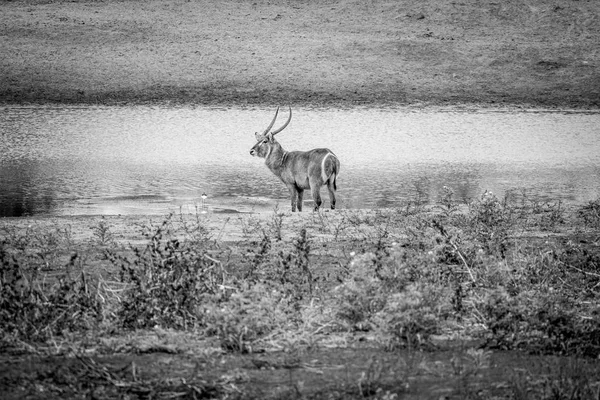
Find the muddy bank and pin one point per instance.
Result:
(128, 229)
(311, 53)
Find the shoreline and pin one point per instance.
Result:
(219, 227)
(418, 106)
(367, 99)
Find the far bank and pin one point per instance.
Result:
(341, 53)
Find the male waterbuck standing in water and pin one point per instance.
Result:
(299, 170)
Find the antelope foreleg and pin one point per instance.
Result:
(294, 194)
(300, 196)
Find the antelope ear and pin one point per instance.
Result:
(257, 136)
(270, 137)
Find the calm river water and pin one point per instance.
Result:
(152, 160)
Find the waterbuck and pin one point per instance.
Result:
(298, 170)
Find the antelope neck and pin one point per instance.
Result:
(275, 157)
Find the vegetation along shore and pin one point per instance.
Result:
(497, 298)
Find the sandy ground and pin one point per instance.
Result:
(124, 230)
(342, 52)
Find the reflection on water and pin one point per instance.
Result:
(150, 160)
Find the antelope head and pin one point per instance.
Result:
(265, 141)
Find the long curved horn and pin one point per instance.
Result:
(272, 122)
(284, 125)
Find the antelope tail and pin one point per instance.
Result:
(330, 176)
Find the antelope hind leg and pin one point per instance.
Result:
(331, 190)
(316, 194)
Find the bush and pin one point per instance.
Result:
(168, 283)
(489, 222)
(31, 311)
(541, 322)
(283, 262)
(590, 213)
(387, 294)
(410, 317)
(360, 296)
(248, 315)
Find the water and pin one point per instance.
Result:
(152, 160)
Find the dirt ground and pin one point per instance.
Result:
(530, 53)
(127, 230)
(317, 374)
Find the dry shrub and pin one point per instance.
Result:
(34, 311)
(168, 283)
